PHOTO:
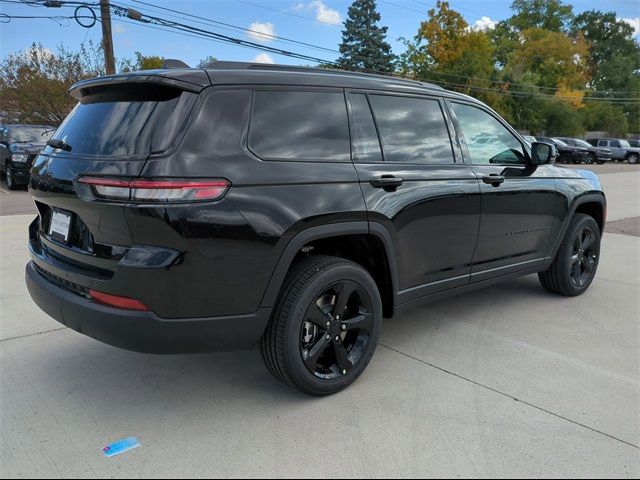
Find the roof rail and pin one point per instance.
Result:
(226, 65)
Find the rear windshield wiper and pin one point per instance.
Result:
(59, 144)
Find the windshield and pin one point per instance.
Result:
(581, 143)
(31, 134)
(624, 143)
(559, 142)
(125, 122)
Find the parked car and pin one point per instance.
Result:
(187, 210)
(597, 155)
(634, 143)
(621, 150)
(567, 153)
(19, 146)
(529, 138)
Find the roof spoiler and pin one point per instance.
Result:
(173, 63)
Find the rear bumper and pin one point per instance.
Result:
(144, 331)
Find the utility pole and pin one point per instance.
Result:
(107, 41)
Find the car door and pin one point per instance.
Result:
(417, 187)
(520, 205)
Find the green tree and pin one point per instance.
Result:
(601, 116)
(446, 51)
(364, 44)
(614, 55)
(34, 83)
(148, 62)
(550, 15)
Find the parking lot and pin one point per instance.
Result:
(506, 381)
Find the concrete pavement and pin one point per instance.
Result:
(506, 381)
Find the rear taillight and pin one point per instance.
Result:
(155, 190)
(118, 301)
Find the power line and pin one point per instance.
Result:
(204, 20)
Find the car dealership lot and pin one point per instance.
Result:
(504, 381)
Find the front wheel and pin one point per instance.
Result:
(325, 326)
(633, 159)
(574, 266)
(11, 181)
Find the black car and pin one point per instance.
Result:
(19, 146)
(568, 153)
(634, 143)
(192, 210)
(597, 155)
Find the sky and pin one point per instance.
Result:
(316, 22)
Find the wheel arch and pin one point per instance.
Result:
(348, 237)
(593, 204)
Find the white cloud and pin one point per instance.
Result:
(635, 23)
(485, 23)
(323, 13)
(262, 32)
(263, 58)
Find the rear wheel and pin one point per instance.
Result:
(325, 326)
(576, 262)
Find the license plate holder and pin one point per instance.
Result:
(60, 225)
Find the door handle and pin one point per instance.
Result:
(493, 179)
(386, 182)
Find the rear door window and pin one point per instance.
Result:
(412, 130)
(126, 122)
(299, 125)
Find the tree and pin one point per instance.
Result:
(557, 60)
(206, 61)
(600, 116)
(550, 15)
(445, 50)
(34, 83)
(148, 62)
(614, 55)
(364, 44)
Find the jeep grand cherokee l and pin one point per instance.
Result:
(239, 205)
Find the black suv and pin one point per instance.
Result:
(568, 153)
(597, 155)
(238, 205)
(19, 146)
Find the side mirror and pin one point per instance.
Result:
(543, 153)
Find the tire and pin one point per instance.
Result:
(11, 181)
(564, 158)
(633, 158)
(293, 345)
(574, 266)
(600, 162)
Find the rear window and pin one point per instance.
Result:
(412, 130)
(299, 125)
(126, 122)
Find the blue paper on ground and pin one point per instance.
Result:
(120, 446)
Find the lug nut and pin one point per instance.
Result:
(328, 337)
(344, 327)
(344, 372)
(337, 338)
(337, 317)
(328, 324)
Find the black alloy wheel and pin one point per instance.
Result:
(336, 330)
(574, 266)
(584, 256)
(325, 326)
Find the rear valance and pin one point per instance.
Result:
(188, 79)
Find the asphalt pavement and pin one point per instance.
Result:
(509, 381)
